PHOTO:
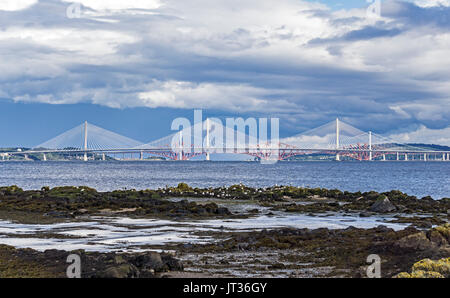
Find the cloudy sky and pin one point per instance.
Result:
(132, 66)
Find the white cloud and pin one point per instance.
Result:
(400, 112)
(118, 4)
(101, 42)
(186, 95)
(432, 3)
(425, 135)
(12, 5)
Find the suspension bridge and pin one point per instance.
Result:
(336, 138)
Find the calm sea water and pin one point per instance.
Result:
(415, 178)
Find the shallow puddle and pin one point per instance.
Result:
(128, 234)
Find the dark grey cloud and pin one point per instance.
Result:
(306, 65)
(413, 15)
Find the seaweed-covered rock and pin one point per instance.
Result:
(427, 268)
(172, 263)
(53, 263)
(418, 241)
(120, 271)
(382, 205)
(151, 260)
(435, 241)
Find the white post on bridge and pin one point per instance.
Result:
(398, 156)
(208, 157)
(424, 157)
(337, 140)
(370, 145)
(85, 140)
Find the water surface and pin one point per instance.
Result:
(415, 178)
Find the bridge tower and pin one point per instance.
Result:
(337, 140)
(370, 146)
(85, 140)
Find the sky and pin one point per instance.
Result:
(134, 66)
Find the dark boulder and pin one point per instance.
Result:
(120, 271)
(172, 263)
(382, 206)
(150, 260)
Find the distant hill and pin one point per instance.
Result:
(430, 146)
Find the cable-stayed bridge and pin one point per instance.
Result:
(335, 138)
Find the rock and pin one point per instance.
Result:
(365, 214)
(150, 260)
(427, 268)
(441, 266)
(424, 224)
(437, 238)
(223, 211)
(428, 199)
(418, 241)
(120, 271)
(444, 230)
(118, 259)
(172, 263)
(58, 214)
(150, 273)
(384, 229)
(382, 206)
(419, 274)
(401, 208)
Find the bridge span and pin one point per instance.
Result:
(335, 138)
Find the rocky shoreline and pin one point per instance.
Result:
(268, 253)
(29, 263)
(274, 252)
(72, 202)
(327, 253)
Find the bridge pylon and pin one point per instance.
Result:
(85, 140)
(338, 158)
